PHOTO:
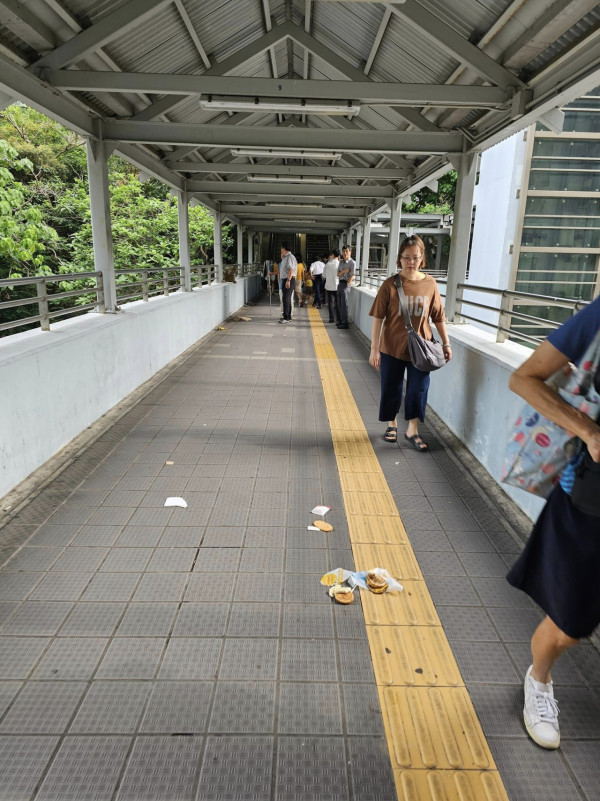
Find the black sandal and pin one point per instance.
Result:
(418, 446)
(391, 434)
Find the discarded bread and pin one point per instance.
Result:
(342, 593)
(322, 525)
(375, 582)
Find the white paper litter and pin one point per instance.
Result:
(312, 528)
(320, 510)
(175, 502)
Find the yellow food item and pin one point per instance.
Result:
(322, 525)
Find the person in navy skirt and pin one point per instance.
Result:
(560, 565)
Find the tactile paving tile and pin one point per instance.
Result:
(131, 658)
(309, 709)
(412, 655)
(111, 587)
(112, 707)
(92, 620)
(399, 560)
(18, 655)
(243, 707)
(73, 658)
(43, 707)
(22, 763)
(433, 727)
(201, 620)
(249, 658)
(189, 659)
(178, 707)
(410, 607)
(371, 774)
(236, 767)
(160, 587)
(308, 660)
(384, 529)
(38, 618)
(147, 620)
(311, 767)
(161, 769)
(455, 785)
(85, 769)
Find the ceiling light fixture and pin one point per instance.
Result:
(280, 106)
(288, 179)
(278, 153)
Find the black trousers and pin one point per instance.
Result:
(287, 298)
(318, 285)
(343, 291)
(332, 304)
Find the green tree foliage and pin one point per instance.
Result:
(45, 225)
(425, 201)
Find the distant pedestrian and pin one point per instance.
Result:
(287, 278)
(330, 275)
(299, 283)
(316, 271)
(346, 271)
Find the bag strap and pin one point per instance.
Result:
(403, 303)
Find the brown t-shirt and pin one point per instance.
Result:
(424, 302)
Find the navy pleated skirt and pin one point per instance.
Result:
(560, 566)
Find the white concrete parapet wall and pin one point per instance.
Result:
(471, 393)
(57, 383)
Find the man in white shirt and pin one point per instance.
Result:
(330, 275)
(316, 271)
(287, 278)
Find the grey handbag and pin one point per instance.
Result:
(425, 354)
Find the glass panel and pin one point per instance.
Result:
(582, 148)
(539, 221)
(565, 163)
(585, 206)
(561, 238)
(586, 121)
(567, 181)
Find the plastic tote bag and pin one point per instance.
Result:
(538, 449)
(425, 354)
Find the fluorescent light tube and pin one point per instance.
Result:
(285, 179)
(280, 106)
(286, 154)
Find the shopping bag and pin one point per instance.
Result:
(538, 449)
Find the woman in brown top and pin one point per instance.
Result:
(389, 348)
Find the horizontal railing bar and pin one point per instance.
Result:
(17, 323)
(72, 310)
(11, 304)
(52, 278)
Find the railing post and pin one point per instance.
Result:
(504, 317)
(145, 294)
(165, 282)
(218, 248)
(100, 304)
(42, 292)
(97, 165)
(184, 240)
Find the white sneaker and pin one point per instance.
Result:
(540, 712)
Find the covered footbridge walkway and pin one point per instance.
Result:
(160, 652)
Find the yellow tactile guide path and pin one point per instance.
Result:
(437, 748)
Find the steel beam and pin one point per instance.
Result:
(128, 15)
(350, 141)
(366, 92)
(370, 173)
(17, 17)
(233, 188)
(291, 211)
(449, 40)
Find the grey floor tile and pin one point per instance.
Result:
(61, 587)
(71, 658)
(171, 560)
(262, 560)
(22, 764)
(308, 660)
(8, 690)
(362, 709)
(201, 620)
(139, 536)
(485, 662)
(111, 587)
(223, 537)
(583, 761)
(307, 620)
(515, 625)
(126, 560)
(499, 708)
(439, 563)
(452, 591)
(80, 560)
(112, 707)
(483, 564)
(92, 620)
(467, 623)
(17, 586)
(311, 767)
(97, 536)
(525, 769)
(498, 592)
(43, 707)
(132, 658)
(182, 537)
(38, 618)
(238, 767)
(258, 587)
(178, 707)
(209, 587)
(70, 775)
(191, 659)
(371, 775)
(309, 709)
(147, 620)
(248, 659)
(243, 707)
(34, 559)
(161, 769)
(355, 661)
(156, 587)
(217, 560)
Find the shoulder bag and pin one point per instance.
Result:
(538, 449)
(425, 354)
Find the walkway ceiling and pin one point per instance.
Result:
(393, 92)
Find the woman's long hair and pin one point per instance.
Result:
(409, 242)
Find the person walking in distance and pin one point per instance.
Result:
(346, 271)
(389, 349)
(287, 277)
(316, 270)
(330, 275)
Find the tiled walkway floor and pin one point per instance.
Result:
(166, 653)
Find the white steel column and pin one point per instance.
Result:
(466, 166)
(366, 244)
(97, 165)
(394, 234)
(250, 247)
(341, 241)
(240, 245)
(349, 238)
(184, 240)
(358, 253)
(217, 247)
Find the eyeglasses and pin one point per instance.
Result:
(410, 258)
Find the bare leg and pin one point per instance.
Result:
(547, 644)
(413, 427)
